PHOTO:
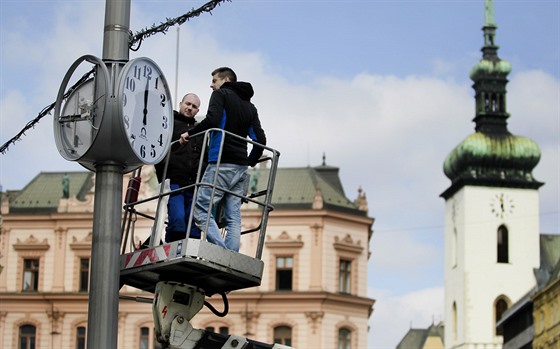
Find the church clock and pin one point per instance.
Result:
(502, 205)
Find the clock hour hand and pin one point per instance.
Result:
(145, 111)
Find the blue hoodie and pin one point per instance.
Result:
(230, 109)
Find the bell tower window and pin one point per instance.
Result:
(503, 245)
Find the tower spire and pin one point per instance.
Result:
(492, 156)
(490, 79)
(489, 13)
(490, 50)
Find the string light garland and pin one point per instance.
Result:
(134, 45)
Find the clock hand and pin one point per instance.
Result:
(145, 111)
(502, 203)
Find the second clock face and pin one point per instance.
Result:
(146, 110)
(502, 205)
(77, 127)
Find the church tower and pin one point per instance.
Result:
(491, 211)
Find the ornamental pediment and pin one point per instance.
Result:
(348, 244)
(82, 244)
(284, 240)
(31, 243)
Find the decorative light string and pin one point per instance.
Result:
(134, 45)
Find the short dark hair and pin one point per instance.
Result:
(224, 72)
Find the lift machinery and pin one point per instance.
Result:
(181, 274)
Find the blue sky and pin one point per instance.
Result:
(380, 87)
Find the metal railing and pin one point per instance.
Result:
(260, 199)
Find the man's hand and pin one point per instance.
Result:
(184, 138)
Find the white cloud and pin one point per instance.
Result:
(385, 244)
(533, 100)
(388, 134)
(394, 315)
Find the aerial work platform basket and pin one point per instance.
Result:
(196, 262)
(191, 261)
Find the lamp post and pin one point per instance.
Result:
(103, 306)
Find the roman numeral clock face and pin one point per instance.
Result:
(146, 110)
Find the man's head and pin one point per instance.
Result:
(190, 105)
(221, 75)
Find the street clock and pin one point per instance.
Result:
(145, 110)
(78, 118)
(124, 118)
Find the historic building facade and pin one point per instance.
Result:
(546, 314)
(313, 291)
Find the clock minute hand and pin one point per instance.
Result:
(145, 111)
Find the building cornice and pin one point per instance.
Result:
(319, 213)
(301, 296)
(43, 296)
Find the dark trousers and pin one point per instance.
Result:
(178, 212)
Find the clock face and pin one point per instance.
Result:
(502, 205)
(76, 130)
(146, 110)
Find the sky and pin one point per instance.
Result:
(380, 88)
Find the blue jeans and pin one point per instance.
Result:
(178, 212)
(230, 177)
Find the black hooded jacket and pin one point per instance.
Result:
(230, 109)
(184, 160)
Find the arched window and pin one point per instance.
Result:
(344, 338)
(500, 308)
(144, 337)
(27, 337)
(494, 105)
(503, 245)
(147, 336)
(80, 337)
(283, 335)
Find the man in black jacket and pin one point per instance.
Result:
(182, 171)
(230, 109)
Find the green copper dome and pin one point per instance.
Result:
(487, 67)
(493, 157)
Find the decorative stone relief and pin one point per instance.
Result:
(316, 228)
(348, 244)
(84, 244)
(318, 200)
(314, 318)
(31, 243)
(361, 201)
(56, 317)
(284, 240)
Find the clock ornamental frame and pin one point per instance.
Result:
(145, 110)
